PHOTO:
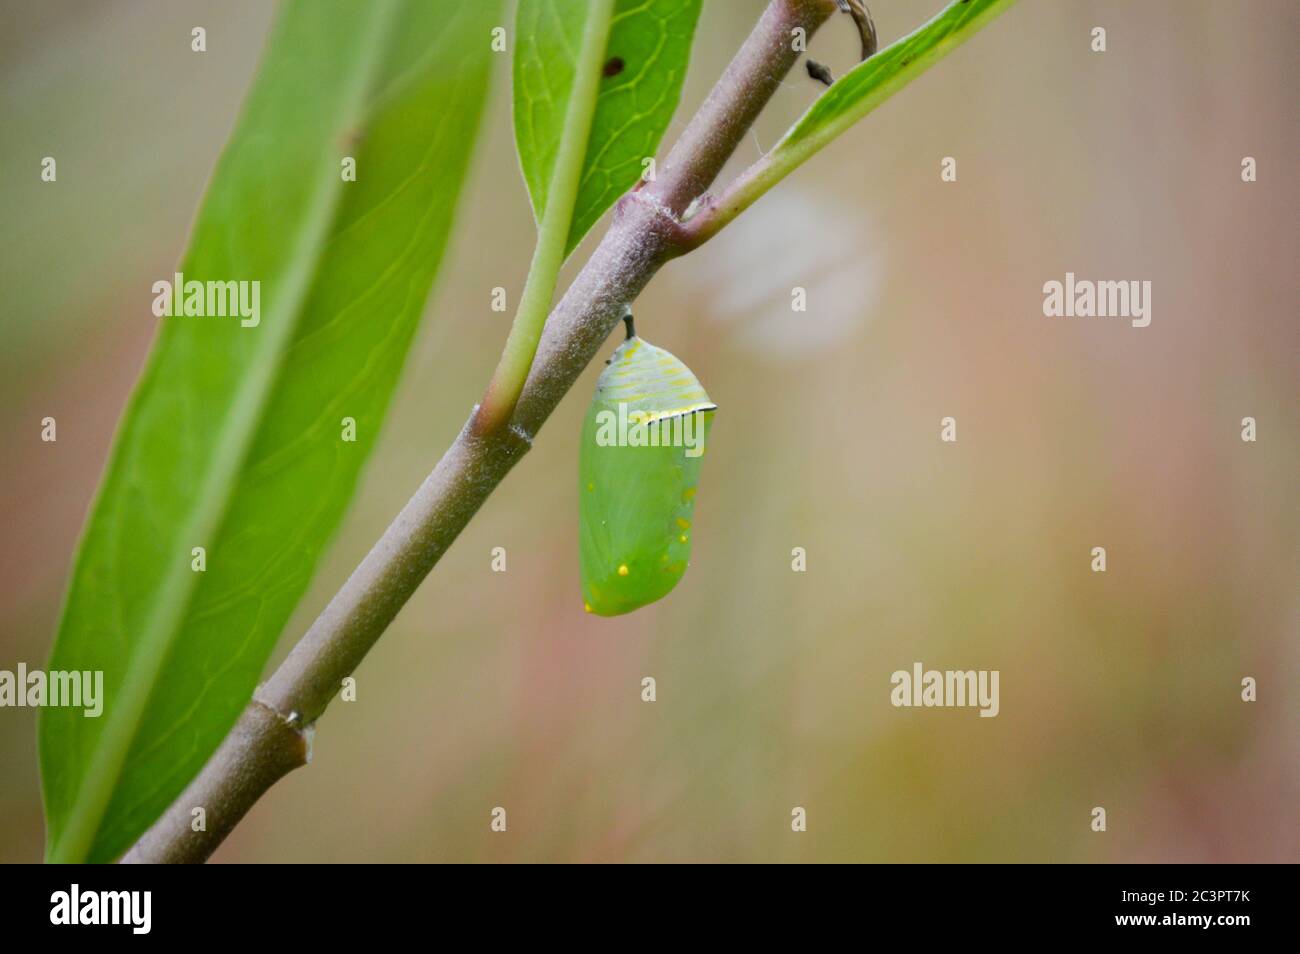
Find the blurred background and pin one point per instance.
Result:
(1118, 689)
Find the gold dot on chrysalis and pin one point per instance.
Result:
(587, 607)
(688, 494)
(622, 569)
(683, 523)
(683, 538)
(591, 487)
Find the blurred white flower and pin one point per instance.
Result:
(791, 238)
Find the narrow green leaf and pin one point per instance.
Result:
(234, 440)
(849, 98)
(644, 66)
(873, 81)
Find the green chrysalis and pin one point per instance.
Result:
(642, 445)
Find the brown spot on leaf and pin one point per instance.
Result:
(613, 67)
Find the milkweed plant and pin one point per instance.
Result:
(285, 327)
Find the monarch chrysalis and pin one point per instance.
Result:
(642, 444)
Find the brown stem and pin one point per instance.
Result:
(271, 737)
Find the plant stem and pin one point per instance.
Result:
(553, 229)
(272, 736)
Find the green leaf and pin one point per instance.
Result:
(849, 98)
(644, 65)
(564, 172)
(233, 439)
(873, 81)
